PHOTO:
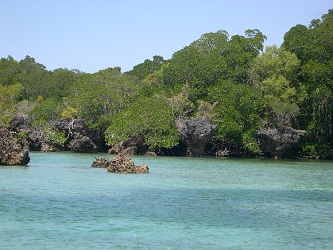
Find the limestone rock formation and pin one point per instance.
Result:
(82, 144)
(100, 163)
(120, 164)
(133, 146)
(36, 138)
(80, 139)
(68, 126)
(121, 148)
(196, 134)
(279, 142)
(12, 150)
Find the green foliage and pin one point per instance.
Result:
(50, 133)
(55, 136)
(9, 71)
(36, 80)
(21, 136)
(9, 97)
(151, 117)
(236, 113)
(98, 96)
(48, 109)
(180, 104)
(24, 107)
(33, 77)
(200, 64)
(142, 70)
(211, 58)
(154, 84)
(316, 150)
(240, 53)
(226, 80)
(279, 98)
(314, 46)
(296, 41)
(69, 112)
(250, 142)
(205, 110)
(58, 83)
(274, 61)
(273, 74)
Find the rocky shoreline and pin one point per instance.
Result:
(13, 150)
(196, 138)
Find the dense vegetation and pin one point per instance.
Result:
(233, 82)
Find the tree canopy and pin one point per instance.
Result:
(313, 45)
(232, 81)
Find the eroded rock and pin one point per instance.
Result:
(82, 144)
(120, 164)
(195, 134)
(100, 163)
(13, 151)
(278, 142)
(37, 139)
(79, 138)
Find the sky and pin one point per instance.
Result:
(91, 35)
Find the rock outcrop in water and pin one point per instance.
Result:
(37, 139)
(122, 163)
(80, 139)
(13, 151)
(279, 142)
(195, 134)
(82, 144)
(195, 139)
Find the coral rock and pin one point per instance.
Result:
(278, 142)
(12, 151)
(122, 163)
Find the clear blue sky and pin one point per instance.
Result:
(91, 35)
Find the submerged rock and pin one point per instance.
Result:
(13, 151)
(120, 164)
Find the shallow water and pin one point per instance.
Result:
(60, 202)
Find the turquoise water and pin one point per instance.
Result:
(60, 202)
